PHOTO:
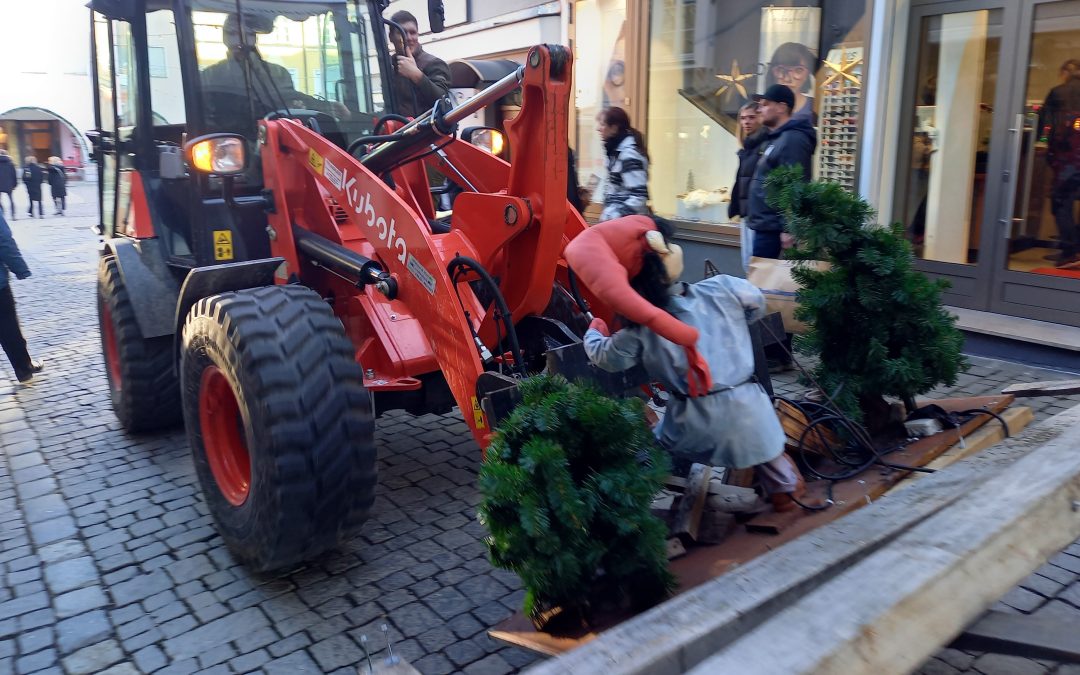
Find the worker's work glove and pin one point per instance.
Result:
(600, 326)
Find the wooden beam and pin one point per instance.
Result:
(1056, 388)
(992, 433)
(688, 516)
(895, 608)
(684, 631)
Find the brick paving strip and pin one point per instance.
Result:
(109, 561)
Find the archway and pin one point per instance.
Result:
(43, 133)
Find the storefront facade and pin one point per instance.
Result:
(930, 109)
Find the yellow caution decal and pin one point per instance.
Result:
(316, 161)
(223, 245)
(478, 414)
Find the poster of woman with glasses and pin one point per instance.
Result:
(789, 36)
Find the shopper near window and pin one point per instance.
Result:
(788, 141)
(1058, 120)
(751, 134)
(792, 65)
(627, 189)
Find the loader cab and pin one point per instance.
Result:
(169, 70)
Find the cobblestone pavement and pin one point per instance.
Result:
(109, 561)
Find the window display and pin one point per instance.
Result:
(707, 60)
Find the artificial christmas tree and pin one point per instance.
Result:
(566, 489)
(877, 323)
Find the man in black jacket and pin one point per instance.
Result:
(787, 142)
(1059, 119)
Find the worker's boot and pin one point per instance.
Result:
(785, 501)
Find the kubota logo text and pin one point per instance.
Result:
(383, 230)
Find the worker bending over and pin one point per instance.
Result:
(694, 339)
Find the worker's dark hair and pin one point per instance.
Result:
(404, 16)
(652, 281)
(616, 116)
(1071, 67)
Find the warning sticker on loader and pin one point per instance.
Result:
(420, 272)
(333, 174)
(315, 160)
(223, 245)
(478, 414)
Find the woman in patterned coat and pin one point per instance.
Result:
(627, 189)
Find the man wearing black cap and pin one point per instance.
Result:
(787, 141)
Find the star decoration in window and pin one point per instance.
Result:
(842, 70)
(733, 81)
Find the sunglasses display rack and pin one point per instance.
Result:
(839, 115)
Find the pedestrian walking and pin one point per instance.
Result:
(9, 178)
(751, 135)
(11, 337)
(788, 141)
(627, 189)
(32, 177)
(58, 185)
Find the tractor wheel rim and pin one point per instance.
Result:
(112, 350)
(223, 437)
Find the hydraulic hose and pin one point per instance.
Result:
(500, 306)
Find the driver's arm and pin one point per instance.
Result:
(435, 83)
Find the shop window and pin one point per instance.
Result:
(600, 81)
(706, 60)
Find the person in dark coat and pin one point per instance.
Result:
(1058, 120)
(752, 134)
(420, 78)
(32, 178)
(11, 337)
(788, 141)
(58, 185)
(9, 178)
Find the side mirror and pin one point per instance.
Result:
(436, 16)
(486, 138)
(216, 154)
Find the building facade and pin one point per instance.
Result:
(46, 101)
(931, 109)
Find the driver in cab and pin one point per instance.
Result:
(244, 84)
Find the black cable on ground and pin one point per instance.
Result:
(984, 411)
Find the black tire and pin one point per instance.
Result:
(302, 418)
(143, 387)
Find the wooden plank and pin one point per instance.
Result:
(1016, 419)
(941, 574)
(687, 629)
(1023, 635)
(688, 516)
(794, 424)
(1055, 388)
